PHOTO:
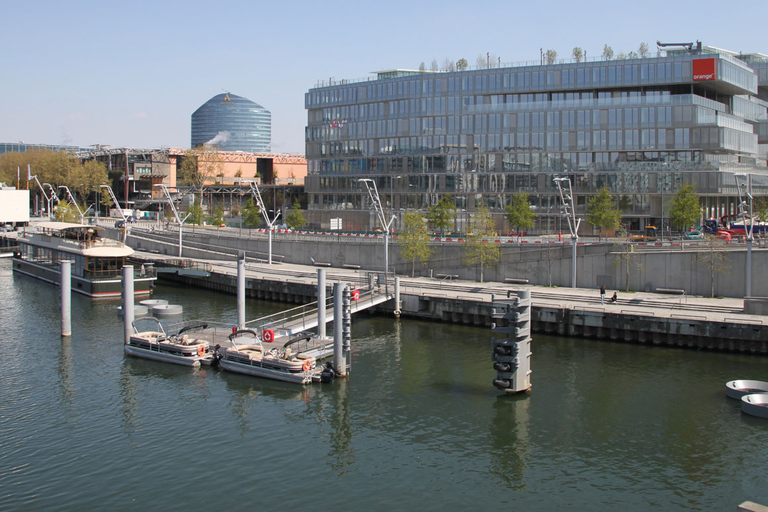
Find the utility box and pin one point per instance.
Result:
(511, 351)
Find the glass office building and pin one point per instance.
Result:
(232, 123)
(639, 127)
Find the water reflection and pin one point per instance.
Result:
(510, 443)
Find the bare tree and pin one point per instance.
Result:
(607, 52)
(716, 263)
(434, 65)
(481, 62)
(422, 67)
(643, 51)
(551, 56)
(578, 54)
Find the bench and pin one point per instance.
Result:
(354, 267)
(447, 276)
(321, 264)
(515, 280)
(671, 291)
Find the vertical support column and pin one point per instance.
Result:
(66, 298)
(347, 328)
(749, 266)
(128, 298)
(398, 304)
(321, 303)
(338, 349)
(241, 290)
(574, 241)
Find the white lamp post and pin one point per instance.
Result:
(175, 212)
(373, 193)
(569, 206)
(745, 210)
(270, 223)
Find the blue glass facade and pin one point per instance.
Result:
(233, 123)
(640, 127)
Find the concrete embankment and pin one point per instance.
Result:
(646, 318)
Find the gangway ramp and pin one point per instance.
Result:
(304, 318)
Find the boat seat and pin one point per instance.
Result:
(303, 356)
(288, 353)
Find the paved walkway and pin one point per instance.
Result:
(642, 303)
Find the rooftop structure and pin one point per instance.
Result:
(232, 123)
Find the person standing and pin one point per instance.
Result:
(602, 294)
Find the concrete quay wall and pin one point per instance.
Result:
(622, 327)
(679, 330)
(697, 270)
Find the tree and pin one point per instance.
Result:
(195, 213)
(294, 219)
(578, 54)
(414, 240)
(602, 211)
(519, 213)
(716, 263)
(422, 67)
(760, 209)
(607, 52)
(628, 257)
(632, 55)
(440, 216)
(643, 51)
(217, 217)
(434, 66)
(480, 250)
(686, 209)
(481, 62)
(461, 64)
(251, 214)
(551, 56)
(198, 166)
(67, 212)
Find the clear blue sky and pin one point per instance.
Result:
(131, 73)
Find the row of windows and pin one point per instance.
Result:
(465, 167)
(595, 75)
(661, 117)
(711, 138)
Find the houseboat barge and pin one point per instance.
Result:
(97, 261)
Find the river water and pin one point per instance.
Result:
(417, 426)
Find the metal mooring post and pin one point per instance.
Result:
(128, 299)
(512, 353)
(321, 303)
(66, 298)
(338, 341)
(241, 290)
(347, 328)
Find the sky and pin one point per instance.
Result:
(130, 74)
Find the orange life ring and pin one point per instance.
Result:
(268, 336)
(307, 365)
(201, 350)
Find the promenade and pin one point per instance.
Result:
(659, 305)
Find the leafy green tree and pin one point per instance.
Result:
(760, 209)
(67, 212)
(414, 240)
(519, 213)
(217, 217)
(686, 209)
(294, 219)
(481, 249)
(462, 64)
(578, 54)
(440, 216)
(602, 211)
(251, 214)
(607, 52)
(196, 213)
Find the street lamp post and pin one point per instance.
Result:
(175, 212)
(120, 211)
(745, 210)
(262, 209)
(373, 194)
(72, 198)
(50, 201)
(569, 206)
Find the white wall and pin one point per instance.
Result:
(14, 206)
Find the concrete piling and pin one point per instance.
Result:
(66, 298)
(128, 297)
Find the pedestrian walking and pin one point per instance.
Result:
(602, 294)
